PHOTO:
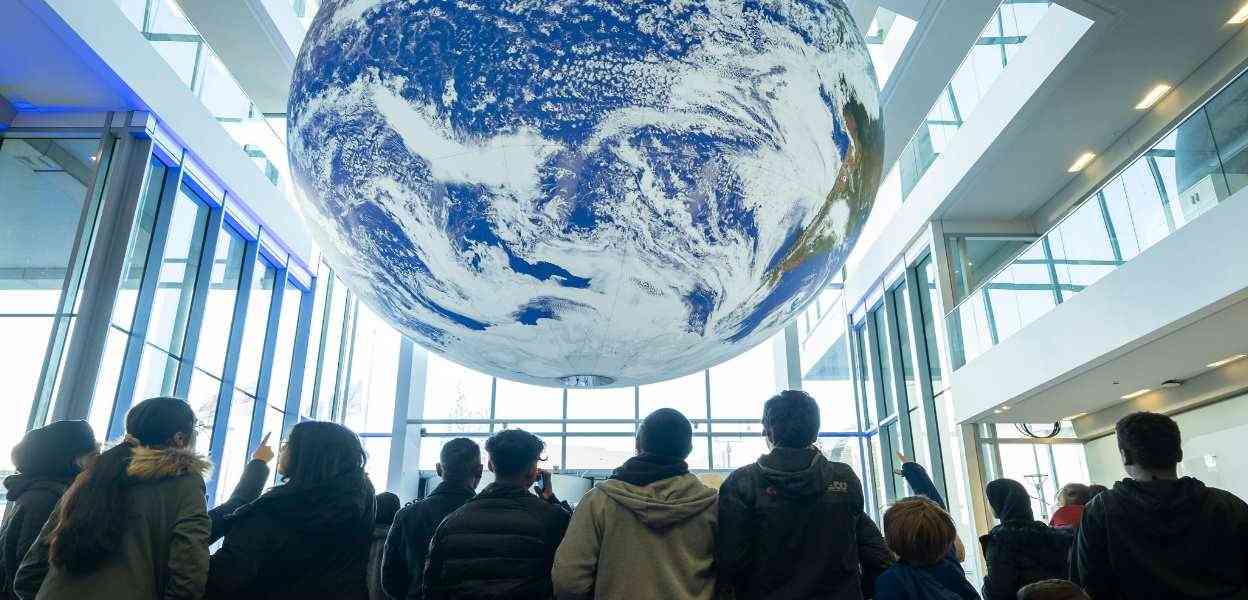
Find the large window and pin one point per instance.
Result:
(594, 430)
(44, 211)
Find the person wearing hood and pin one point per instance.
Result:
(1020, 550)
(308, 538)
(649, 531)
(501, 543)
(403, 562)
(387, 505)
(47, 460)
(1157, 536)
(792, 525)
(1070, 501)
(134, 524)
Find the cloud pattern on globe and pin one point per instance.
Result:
(539, 189)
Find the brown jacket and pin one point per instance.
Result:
(163, 552)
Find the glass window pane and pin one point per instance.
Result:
(730, 452)
(686, 394)
(315, 332)
(866, 382)
(202, 397)
(828, 380)
(255, 325)
(235, 452)
(378, 465)
(283, 351)
(175, 284)
(1228, 119)
(455, 392)
(106, 383)
(227, 270)
(137, 248)
(928, 300)
(371, 394)
(611, 403)
(516, 401)
(604, 453)
(901, 309)
(332, 342)
(885, 358)
(740, 386)
(43, 185)
(20, 367)
(157, 375)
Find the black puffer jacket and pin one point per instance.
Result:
(304, 543)
(500, 544)
(792, 526)
(1154, 540)
(1020, 550)
(31, 500)
(408, 542)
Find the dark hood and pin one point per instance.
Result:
(645, 469)
(341, 506)
(1009, 500)
(19, 484)
(793, 472)
(1168, 507)
(51, 451)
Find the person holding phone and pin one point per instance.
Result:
(501, 544)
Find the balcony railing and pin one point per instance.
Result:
(1000, 39)
(1199, 164)
(171, 34)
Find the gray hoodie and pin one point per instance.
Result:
(628, 541)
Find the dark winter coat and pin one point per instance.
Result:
(248, 489)
(47, 462)
(31, 501)
(500, 544)
(1020, 550)
(163, 552)
(944, 580)
(403, 562)
(295, 542)
(792, 525)
(1172, 540)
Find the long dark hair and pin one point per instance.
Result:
(93, 512)
(319, 452)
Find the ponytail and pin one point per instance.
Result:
(93, 513)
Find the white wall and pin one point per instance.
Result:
(1213, 447)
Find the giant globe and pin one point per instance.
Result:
(585, 192)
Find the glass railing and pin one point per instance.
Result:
(999, 41)
(168, 30)
(1199, 164)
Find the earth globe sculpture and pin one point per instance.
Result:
(585, 192)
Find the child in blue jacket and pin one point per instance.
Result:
(921, 533)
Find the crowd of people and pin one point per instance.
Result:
(132, 522)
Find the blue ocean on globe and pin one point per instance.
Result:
(585, 192)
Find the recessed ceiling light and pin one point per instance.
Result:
(1083, 161)
(1005, 407)
(1153, 95)
(1137, 393)
(1076, 416)
(1240, 17)
(1226, 361)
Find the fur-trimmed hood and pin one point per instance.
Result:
(153, 464)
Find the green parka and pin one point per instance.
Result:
(163, 552)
